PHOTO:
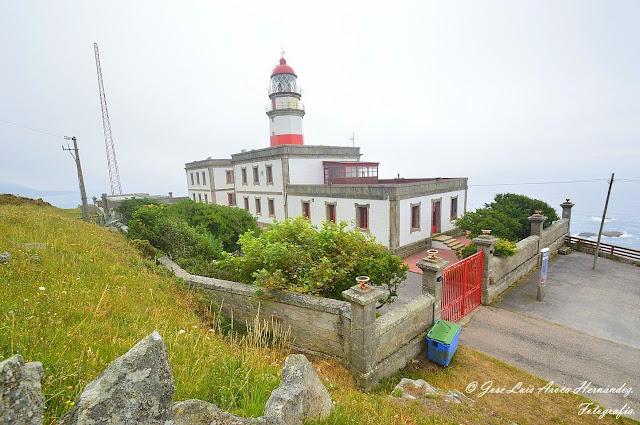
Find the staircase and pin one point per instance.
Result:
(448, 241)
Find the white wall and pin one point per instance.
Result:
(407, 236)
(204, 183)
(262, 186)
(286, 124)
(220, 178)
(278, 201)
(346, 211)
(309, 170)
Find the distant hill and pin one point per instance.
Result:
(58, 198)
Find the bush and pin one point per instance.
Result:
(295, 256)
(224, 222)
(507, 217)
(503, 248)
(173, 235)
(144, 248)
(128, 207)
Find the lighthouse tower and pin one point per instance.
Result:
(285, 111)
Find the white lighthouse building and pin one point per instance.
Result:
(325, 183)
(285, 111)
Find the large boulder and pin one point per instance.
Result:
(21, 398)
(198, 412)
(300, 394)
(136, 388)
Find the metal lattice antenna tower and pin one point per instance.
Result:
(114, 175)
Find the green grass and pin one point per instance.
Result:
(91, 297)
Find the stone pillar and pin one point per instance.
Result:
(364, 342)
(566, 212)
(486, 243)
(432, 281)
(105, 204)
(537, 220)
(170, 197)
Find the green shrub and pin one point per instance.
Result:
(128, 207)
(224, 222)
(467, 251)
(507, 217)
(504, 248)
(295, 256)
(144, 248)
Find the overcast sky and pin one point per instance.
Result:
(497, 91)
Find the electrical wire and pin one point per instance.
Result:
(529, 183)
(30, 127)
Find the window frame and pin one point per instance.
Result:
(302, 208)
(246, 203)
(258, 204)
(415, 212)
(271, 207)
(328, 206)
(229, 176)
(256, 176)
(454, 201)
(231, 199)
(358, 210)
(243, 174)
(269, 174)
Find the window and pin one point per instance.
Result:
(256, 178)
(230, 199)
(272, 208)
(362, 217)
(204, 178)
(350, 171)
(331, 212)
(192, 183)
(198, 178)
(258, 207)
(415, 217)
(246, 203)
(454, 208)
(194, 195)
(244, 176)
(199, 197)
(206, 200)
(269, 174)
(306, 209)
(229, 174)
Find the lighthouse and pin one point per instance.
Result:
(285, 111)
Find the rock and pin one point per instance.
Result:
(300, 394)
(5, 257)
(137, 388)
(198, 412)
(411, 389)
(612, 234)
(457, 397)
(564, 250)
(587, 234)
(21, 398)
(35, 259)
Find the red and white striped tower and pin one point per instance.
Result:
(286, 111)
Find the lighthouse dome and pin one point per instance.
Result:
(283, 68)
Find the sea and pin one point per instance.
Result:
(623, 212)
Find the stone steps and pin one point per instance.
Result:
(452, 243)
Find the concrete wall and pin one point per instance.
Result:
(504, 271)
(318, 325)
(310, 170)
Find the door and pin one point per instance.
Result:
(435, 217)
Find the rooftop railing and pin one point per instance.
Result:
(285, 105)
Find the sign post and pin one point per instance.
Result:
(543, 273)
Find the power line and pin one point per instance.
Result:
(30, 127)
(529, 183)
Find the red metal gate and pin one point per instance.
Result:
(461, 287)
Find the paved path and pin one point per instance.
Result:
(566, 356)
(587, 329)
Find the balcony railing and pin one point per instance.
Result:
(285, 105)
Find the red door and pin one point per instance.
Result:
(435, 218)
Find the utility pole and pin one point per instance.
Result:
(352, 139)
(604, 215)
(76, 157)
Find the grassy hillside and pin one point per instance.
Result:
(86, 296)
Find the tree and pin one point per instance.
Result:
(296, 256)
(128, 207)
(507, 217)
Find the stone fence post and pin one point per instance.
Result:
(566, 212)
(537, 221)
(486, 243)
(364, 342)
(432, 281)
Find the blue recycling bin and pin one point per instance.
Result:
(442, 340)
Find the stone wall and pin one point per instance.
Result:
(349, 331)
(504, 271)
(318, 325)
